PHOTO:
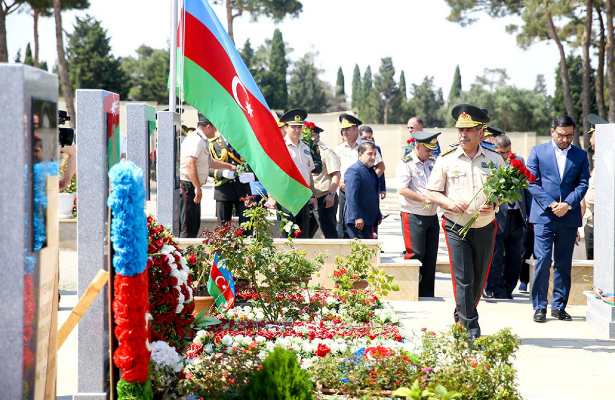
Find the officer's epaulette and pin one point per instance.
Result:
(449, 151)
(407, 157)
(490, 150)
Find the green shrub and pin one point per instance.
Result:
(281, 378)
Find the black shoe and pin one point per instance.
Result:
(561, 315)
(540, 315)
(488, 294)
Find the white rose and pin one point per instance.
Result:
(227, 340)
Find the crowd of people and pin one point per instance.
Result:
(439, 189)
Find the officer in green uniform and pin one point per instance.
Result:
(228, 190)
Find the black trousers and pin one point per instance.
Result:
(303, 220)
(528, 247)
(189, 211)
(470, 260)
(225, 210)
(366, 233)
(507, 257)
(341, 225)
(326, 217)
(421, 234)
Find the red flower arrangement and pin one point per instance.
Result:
(130, 309)
(309, 125)
(168, 323)
(520, 166)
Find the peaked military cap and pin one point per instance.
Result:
(348, 121)
(318, 129)
(469, 116)
(428, 139)
(293, 117)
(493, 131)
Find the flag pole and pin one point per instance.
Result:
(173, 57)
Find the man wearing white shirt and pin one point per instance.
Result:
(348, 152)
(195, 161)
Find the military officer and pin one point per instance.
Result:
(458, 175)
(419, 220)
(326, 184)
(348, 152)
(228, 190)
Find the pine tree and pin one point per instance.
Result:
(92, 64)
(247, 54)
(388, 91)
(148, 74)
(339, 83)
(356, 88)
(541, 85)
(278, 67)
(455, 92)
(403, 91)
(370, 103)
(28, 59)
(306, 89)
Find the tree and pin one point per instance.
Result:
(44, 8)
(427, 102)
(356, 88)
(247, 54)
(6, 7)
(276, 9)
(600, 69)
(28, 59)
(278, 68)
(147, 74)
(587, 37)
(610, 58)
(388, 91)
(339, 83)
(541, 85)
(18, 56)
(370, 103)
(403, 91)
(92, 64)
(67, 89)
(456, 89)
(575, 66)
(305, 87)
(493, 78)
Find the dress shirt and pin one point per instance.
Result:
(560, 156)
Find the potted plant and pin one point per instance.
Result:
(199, 261)
(66, 200)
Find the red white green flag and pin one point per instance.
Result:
(218, 84)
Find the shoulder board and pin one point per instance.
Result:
(449, 151)
(407, 157)
(491, 150)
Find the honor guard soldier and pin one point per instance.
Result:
(458, 175)
(292, 124)
(228, 189)
(419, 220)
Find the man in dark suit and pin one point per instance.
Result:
(362, 213)
(512, 223)
(562, 174)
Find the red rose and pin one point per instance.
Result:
(191, 259)
(322, 350)
(309, 125)
(516, 164)
(512, 156)
(297, 233)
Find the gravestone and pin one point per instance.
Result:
(141, 141)
(28, 205)
(600, 314)
(167, 170)
(98, 138)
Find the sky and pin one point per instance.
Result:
(415, 33)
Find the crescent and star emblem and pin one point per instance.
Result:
(223, 286)
(247, 107)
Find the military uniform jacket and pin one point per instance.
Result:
(460, 178)
(226, 189)
(412, 173)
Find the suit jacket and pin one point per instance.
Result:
(549, 187)
(362, 195)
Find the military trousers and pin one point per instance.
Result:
(341, 225)
(326, 218)
(421, 234)
(189, 211)
(470, 260)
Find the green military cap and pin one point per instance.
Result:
(469, 116)
(428, 139)
(293, 117)
(348, 120)
(493, 131)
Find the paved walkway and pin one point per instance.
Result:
(556, 361)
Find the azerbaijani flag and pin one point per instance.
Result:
(218, 84)
(221, 285)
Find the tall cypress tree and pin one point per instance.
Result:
(370, 103)
(356, 88)
(28, 58)
(339, 84)
(278, 67)
(455, 92)
(247, 54)
(402, 87)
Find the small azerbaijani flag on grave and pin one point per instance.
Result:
(221, 285)
(218, 84)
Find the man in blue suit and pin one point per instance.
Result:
(362, 213)
(562, 174)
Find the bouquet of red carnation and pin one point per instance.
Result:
(503, 185)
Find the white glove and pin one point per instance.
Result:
(228, 174)
(246, 177)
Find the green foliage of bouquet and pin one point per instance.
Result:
(281, 378)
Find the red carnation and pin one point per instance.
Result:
(512, 156)
(297, 233)
(516, 164)
(309, 125)
(322, 350)
(192, 259)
